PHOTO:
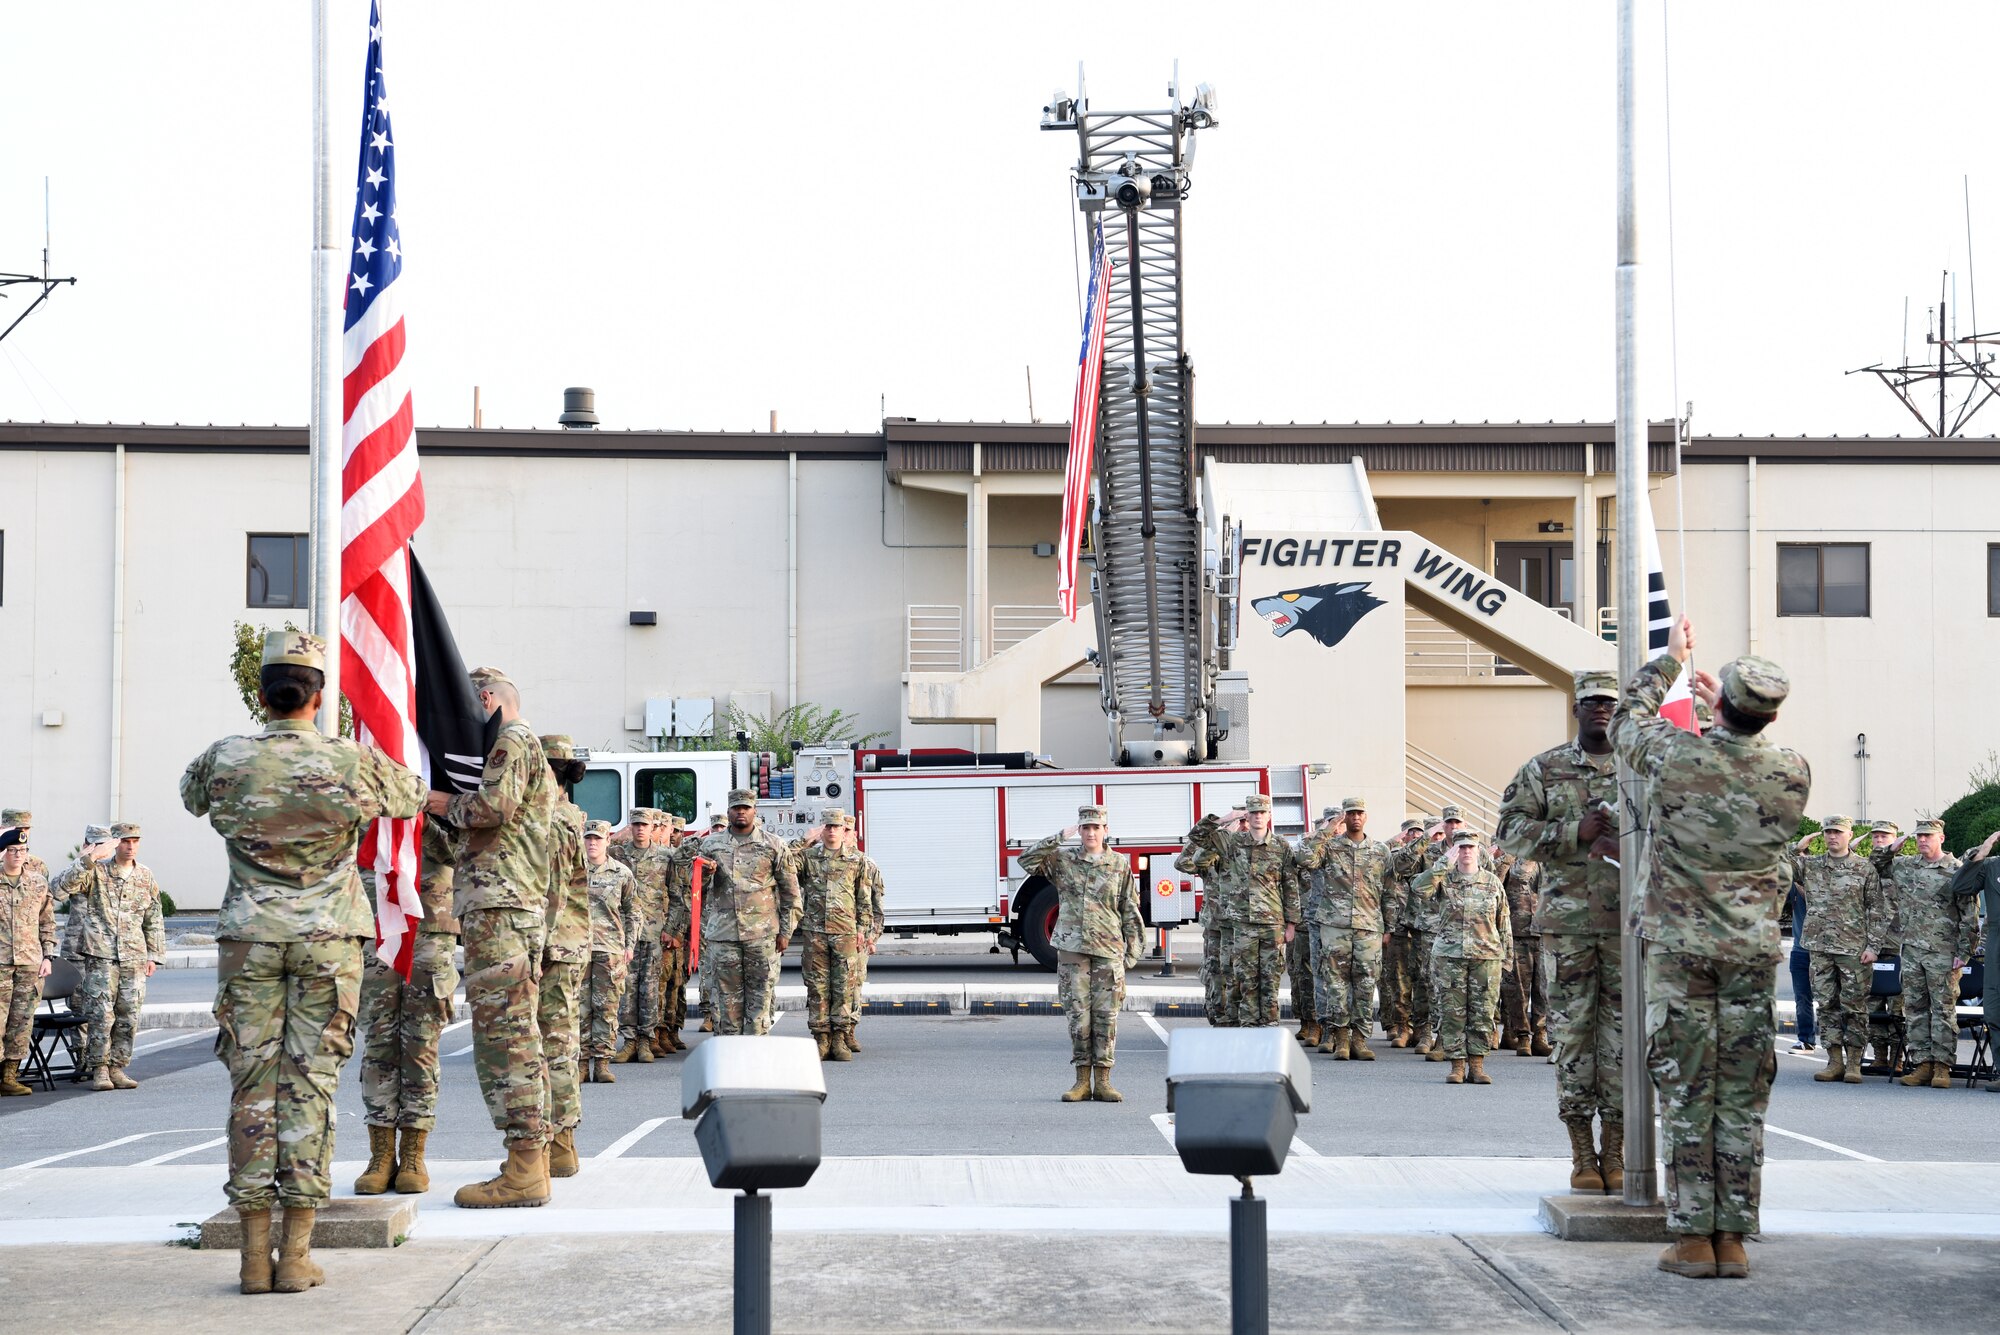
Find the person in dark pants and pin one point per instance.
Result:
(1795, 909)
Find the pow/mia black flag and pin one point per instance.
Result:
(455, 734)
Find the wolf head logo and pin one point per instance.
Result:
(1325, 611)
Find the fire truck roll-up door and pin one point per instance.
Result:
(1219, 795)
(1148, 813)
(938, 848)
(1036, 811)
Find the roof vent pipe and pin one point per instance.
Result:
(579, 409)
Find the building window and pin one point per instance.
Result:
(1822, 579)
(278, 564)
(1993, 579)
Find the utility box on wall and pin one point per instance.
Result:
(682, 716)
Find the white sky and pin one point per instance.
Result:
(707, 212)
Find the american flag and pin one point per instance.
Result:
(1083, 426)
(382, 503)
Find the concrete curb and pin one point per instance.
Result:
(344, 1221)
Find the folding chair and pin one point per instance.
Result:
(52, 1047)
(1972, 1023)
(1885, 982)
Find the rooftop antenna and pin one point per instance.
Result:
(1971, 276)
(1960, 359)
(46, 283)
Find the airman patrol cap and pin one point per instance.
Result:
(1353, 804)
(125, 829)
(294, 647)
(485, 677)
(597, 829)
(1888, 827)
(1257, 802)
(1329, 813)
(1451, 813)
(1596, 685)
(742, 797)
(1929, 826)
(670, 820)
(716, 820)
(1412, 823)
(18, 818)
(1090, 816)
(1755, 686)
(640, 816)
(1838, 823)
(835, 816)
(1463, 838)
(558, 746)
(96, 834)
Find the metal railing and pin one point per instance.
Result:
(1433, 650)
(1012, 623)
(934, 637)
(1607, 624)
(1433, 783)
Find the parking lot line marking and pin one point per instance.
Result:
(1823, 1144)
(173, 1042)
(459, 1025)
(113, 1144)
(459, 1052)
(1154, 1025)
(616, 1149)
(175, 1154)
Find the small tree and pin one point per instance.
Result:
(804, 723)
(246, 658)
(1969, 820)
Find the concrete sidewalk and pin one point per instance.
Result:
(1103, 1283)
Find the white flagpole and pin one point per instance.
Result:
(323, 434)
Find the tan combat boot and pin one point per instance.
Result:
(853, 1045)
(1852, 1075)
(1400, 1036)
(1920, 1076)
(824, 1042)
(1308, 1034)
(605, 1075)
(1357, 1048)
(642, 1049)
(522, 1181)
(1079, 1091)
(1584, 1173)
(413, 1175)
(707, 1024)
(374, 1179)
(1692, 1255)
(100, 1079)
(1940, 1075)
(1611, 1155)
(562, 1154)
(1436, 1053)
(1476, 1072)
(1101, 1089)
(1329, 1039)
(1538, 1045)
(1343, 1043)
(624, 1054)
(296, 1272)
(120, 1080)
(658, 1043)
(1455, 1076)
(1730, 1262)
(836, 1046)
(10, 1082)
(1425, 1040)
(1836, 1065)
(253, 1270)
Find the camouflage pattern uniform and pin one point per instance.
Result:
(1524, 992)
(1256, 882)
(1724, 806)
(400, 1022)
(501, 892)
(674, 936)
(841, 891)
(1577, 915)
(116, 918)
(1213, 990)
(565, 951)
(290, 804)
(1888, 1033)
(639, 1012)
(614, 921)
(1406, 863)
(1347, 881)
(1846, 914)
(1098, 936)
(1398, 995)
(1474, 940)
(749, 904)
(1940, 933)
(27, 937)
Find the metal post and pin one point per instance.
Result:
(753, 1264)
(323, 433)
(1166, 953)
(1641, 1169)
(1249, 1266)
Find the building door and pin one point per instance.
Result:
(1545, 571)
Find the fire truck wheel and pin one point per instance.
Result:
(1038, 921)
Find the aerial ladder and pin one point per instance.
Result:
(1162, 580)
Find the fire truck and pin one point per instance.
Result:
(948, 827)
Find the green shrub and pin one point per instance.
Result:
(1969, 820)
(167, 909)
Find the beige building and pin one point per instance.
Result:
(833, 568)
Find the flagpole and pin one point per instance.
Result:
(1641, 1169)
(323, 434)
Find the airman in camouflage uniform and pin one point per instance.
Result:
(500, 891)
(1474, 941)
(1524, 992)
(1255, 876)
(1847, 917)
(1398, 994)
(675, 931)
(1098, 936)
(400, 1025)
(565, 955)
(1407, 862)
(1299, 956)
(1214, 989)
(27, 944)
(1887, 1033)
(749, 910)
(121, 936)
(1723, 804)
(840, 888)
(1347, 876)
(614, 922)
(639, 1012)
(1432, 860)
(1559, 812)
(1940, 933)
(705, 962)
(290, 805)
